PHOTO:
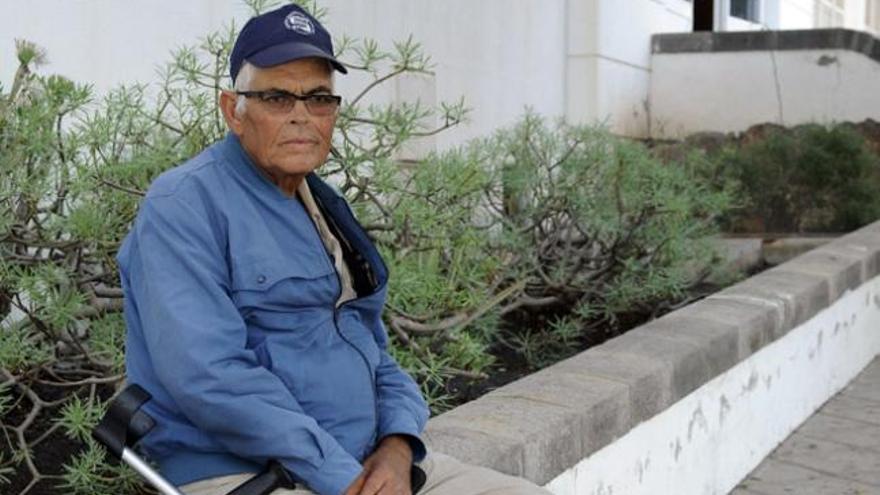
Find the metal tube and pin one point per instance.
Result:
(149, 473)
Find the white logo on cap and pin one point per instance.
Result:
(295, 21)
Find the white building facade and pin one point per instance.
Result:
(585, 60)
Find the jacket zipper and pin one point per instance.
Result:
(336, 309)
(370, 371)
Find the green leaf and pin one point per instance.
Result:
(79, 417)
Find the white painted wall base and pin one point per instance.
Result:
(710, 440)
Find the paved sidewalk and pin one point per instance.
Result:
(835, 452)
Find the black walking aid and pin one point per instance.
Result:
(124, 424)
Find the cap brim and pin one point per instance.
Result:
(288, 52)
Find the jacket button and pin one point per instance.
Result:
(261, 279)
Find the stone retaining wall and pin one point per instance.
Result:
(692, 401)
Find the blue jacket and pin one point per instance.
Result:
(232, 327)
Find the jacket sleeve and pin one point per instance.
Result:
(402, 410)
(196, 339)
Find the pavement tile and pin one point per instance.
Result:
(867, 384)
(780, 478)
(834, 459)
(870, 376)
(850, 406)
(744, 491)
(843, 430)
(868, 393)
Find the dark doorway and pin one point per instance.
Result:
(704, 15)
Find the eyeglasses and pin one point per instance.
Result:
(282, 102)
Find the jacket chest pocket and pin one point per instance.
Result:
(280, 285)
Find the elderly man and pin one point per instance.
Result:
(254, 300)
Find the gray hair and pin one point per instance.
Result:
(246, 74)
(242, 83)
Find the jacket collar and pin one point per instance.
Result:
(244, 166)
(330, 202)
(334, 205)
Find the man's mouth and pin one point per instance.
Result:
(299, 142)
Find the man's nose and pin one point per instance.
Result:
(299, 112)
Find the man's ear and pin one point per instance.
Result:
(228, 100)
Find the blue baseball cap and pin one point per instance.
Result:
(282, 35)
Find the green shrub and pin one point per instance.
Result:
(596, 227)
(568, 223)
(808, 179)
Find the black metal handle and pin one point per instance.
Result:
(275, 476)
(417, 479)
(124, 423)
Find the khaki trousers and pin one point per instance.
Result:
(445, 476)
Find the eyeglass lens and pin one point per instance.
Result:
(316, 104)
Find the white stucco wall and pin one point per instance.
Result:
(801, 14)
(789, 14)
(731, 91)
(107, 42)
(587, 60)
(854, 15)
(796, 14)
(501, 55)
(609, 57)
(708, 441)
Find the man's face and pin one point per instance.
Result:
(287, 146)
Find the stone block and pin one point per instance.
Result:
(600, 406)
(687, 363)
(866, 241)
(471, 445)
(796, 296)
(543, 436)
(648, 380)
(843, 269)
(757, 322)
(718, 341)
(870, 256)
(740, 253)
(783, 249)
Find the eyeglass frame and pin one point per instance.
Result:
(306, 99)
